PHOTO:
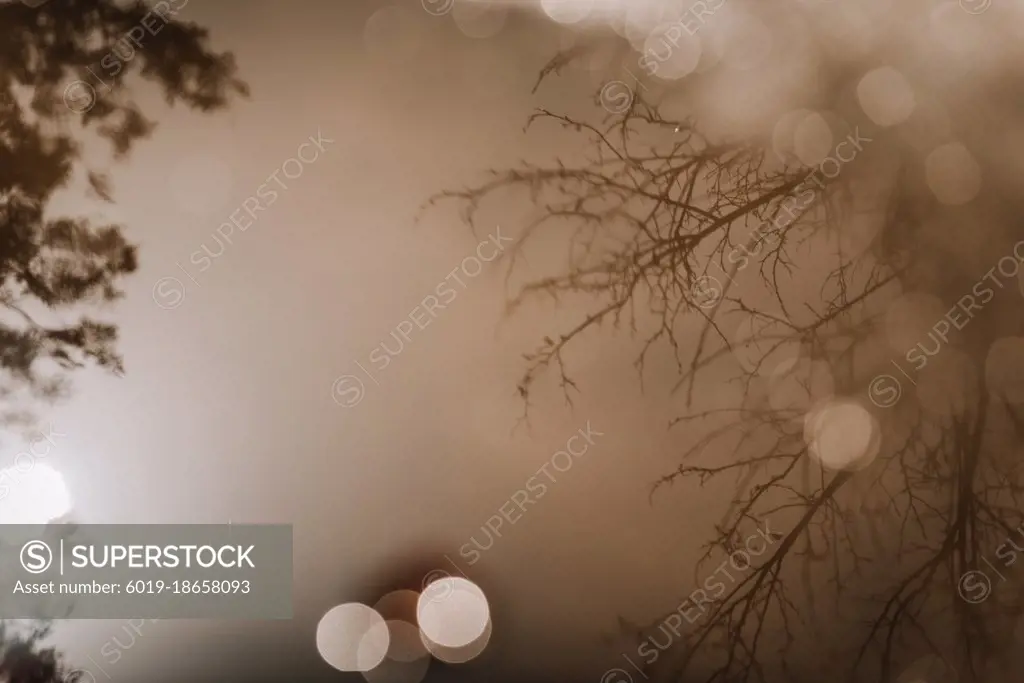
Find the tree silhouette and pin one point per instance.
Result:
(666, 226)
(68, 69)
(24, 660)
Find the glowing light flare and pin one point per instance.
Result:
(36, 494)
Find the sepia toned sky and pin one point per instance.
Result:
(226, 409)
(257, 388)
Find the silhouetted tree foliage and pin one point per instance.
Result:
(23, 659)
(54, 267)
(652, 206)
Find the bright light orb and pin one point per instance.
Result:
(886, 96)
(352, 637)
(37, 494)
(460, 655)
(567, 11)
(453, 612)
(842, 435)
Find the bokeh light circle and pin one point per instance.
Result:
(886, 96)
(398, 604)
(352, 637)
(670, 53)
(567, 11)
(405, 644)
(842, 435)
(456, 620)
(460, 655)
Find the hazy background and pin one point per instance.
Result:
(226, 410)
